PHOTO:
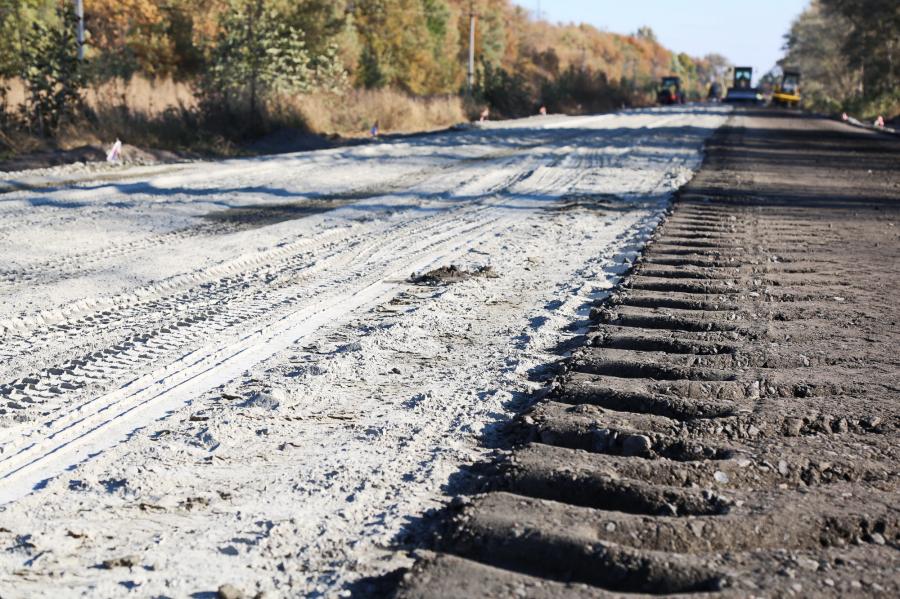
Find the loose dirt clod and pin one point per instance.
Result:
(128, 561)
(446, 275)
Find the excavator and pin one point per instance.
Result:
(787, 92)
(742, 89)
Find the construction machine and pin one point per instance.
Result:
(670, 91)
(787, 92)
(742, 89)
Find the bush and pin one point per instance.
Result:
(508, 95)
(580, 90)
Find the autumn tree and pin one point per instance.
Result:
(126, 36)
(393, 36)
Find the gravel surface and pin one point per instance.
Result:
(265, 373)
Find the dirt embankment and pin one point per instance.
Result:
(731, 421)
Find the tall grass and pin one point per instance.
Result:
(165, 114)
(150, 97)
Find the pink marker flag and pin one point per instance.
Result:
(114, 153)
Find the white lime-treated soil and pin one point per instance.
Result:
(219, 373)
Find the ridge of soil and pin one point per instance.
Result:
(730, 423)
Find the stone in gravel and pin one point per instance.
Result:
(697, 528)
(840, 426)
(871, 422)
(876, 538)
(603, 438)
(720, 477)
(808, 564)
(792, 426)
(636, 445)
(229, 591)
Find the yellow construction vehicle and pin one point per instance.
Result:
(787, 92)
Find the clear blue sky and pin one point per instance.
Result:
(747, 32)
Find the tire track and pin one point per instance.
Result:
(100, 422)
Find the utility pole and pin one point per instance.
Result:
(471, 78)
(79, 14)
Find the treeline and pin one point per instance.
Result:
(847, 52)
(241, 56)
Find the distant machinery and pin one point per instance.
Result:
(742, 89)
(670, 91)
(787, 92)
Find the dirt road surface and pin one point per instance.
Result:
(231, 373)
(729, 424)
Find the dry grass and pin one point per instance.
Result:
(143, 112)
(162, 114)
(354, 113)
(149, 97)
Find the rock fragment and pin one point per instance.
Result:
(229, 591)
(636, 445)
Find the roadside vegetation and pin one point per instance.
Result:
(848, 53)
(209, 75)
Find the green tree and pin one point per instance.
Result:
(872, 42)
(321, 21)
(53, 75)
(815, 46)
(16, 18)
(409, 44)
(255, 52)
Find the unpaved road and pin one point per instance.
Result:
(729, 424)
(222, 373)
